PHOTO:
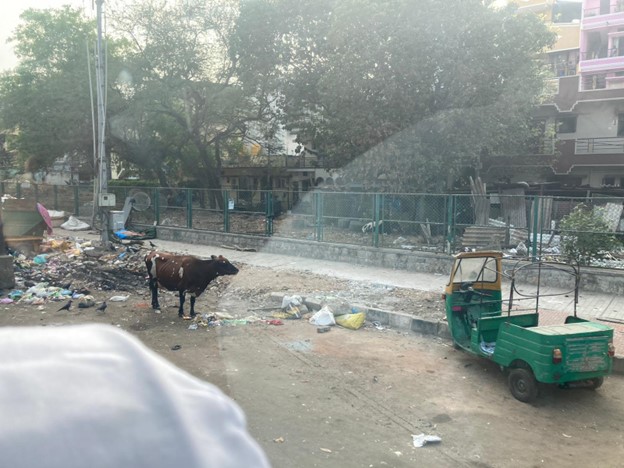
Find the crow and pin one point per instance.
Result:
(102, 307)
(66, 306)
(152, 244)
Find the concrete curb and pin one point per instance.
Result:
(412, 323)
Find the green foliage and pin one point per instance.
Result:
(384, 88)
(585, 235)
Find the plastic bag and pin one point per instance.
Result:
(351, 321)
(323, 317)
(74, 224)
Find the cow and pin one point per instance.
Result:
(184, 273)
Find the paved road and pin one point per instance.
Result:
(354, 399)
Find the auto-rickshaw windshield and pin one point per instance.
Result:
(478, 269)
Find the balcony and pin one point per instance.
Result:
(607, 145)
(589, 152)
(604, 60)
(602, 11)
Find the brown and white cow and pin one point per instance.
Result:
(185, 274)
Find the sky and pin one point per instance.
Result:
(9, 19)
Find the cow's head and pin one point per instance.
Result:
(224, 267)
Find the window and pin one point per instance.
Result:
(566, 124)
(608, 181)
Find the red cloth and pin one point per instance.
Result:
(46, 216)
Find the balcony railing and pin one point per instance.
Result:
(597, 11)
(591, 82)
(607, 145)
(602, 53)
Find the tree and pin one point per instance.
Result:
(45, 102)
(585, 235)
(411, 94)
(183, 95)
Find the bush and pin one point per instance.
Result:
(585, 235)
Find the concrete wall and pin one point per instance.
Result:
(592, 279)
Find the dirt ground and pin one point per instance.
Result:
(354, 398)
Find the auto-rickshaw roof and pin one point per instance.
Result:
(481, 253)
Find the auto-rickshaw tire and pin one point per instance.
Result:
(522, 384)
(596, 383)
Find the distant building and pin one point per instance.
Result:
(582, 126)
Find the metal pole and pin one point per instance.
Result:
(101, 107)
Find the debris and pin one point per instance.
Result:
(421, 440)
(102, 307)
(326, 450)
(351, 321)
(86, 303)
(119, 298)
(323, 317)
(193, 326)
(176, 347)
(74, 224)
(279, 440)
(275, 322)
(323, 329)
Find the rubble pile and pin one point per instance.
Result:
(82, 266)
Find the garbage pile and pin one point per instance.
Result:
(70, 269)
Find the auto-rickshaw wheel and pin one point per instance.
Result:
(596, 383)
(522, 384)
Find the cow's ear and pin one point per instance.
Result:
(222, 258)
(214, 257)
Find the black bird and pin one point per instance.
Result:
(102, 307)
(66, 306)
(152, 244)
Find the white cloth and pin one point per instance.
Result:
(95, 396)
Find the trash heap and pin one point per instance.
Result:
(71, 269)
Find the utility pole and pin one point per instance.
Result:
(103, 198)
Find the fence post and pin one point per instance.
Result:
(77, 201)
(377, 201)
(55, 191)
(18, 190)
(318, 202)
(450, 222)
(36, 186)
(534, 233)
(226, 211)
(189, 209)
(157, 206)
(268, 214)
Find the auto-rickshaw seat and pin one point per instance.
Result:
(488, 326)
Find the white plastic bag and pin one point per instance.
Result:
(295, 301)
(421, 440)
(74, 224)
(323, 317)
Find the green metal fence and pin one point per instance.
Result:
(408, 221)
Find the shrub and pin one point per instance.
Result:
(585, 235)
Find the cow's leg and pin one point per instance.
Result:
(153, 285)
(181, 309)
(192, 306)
